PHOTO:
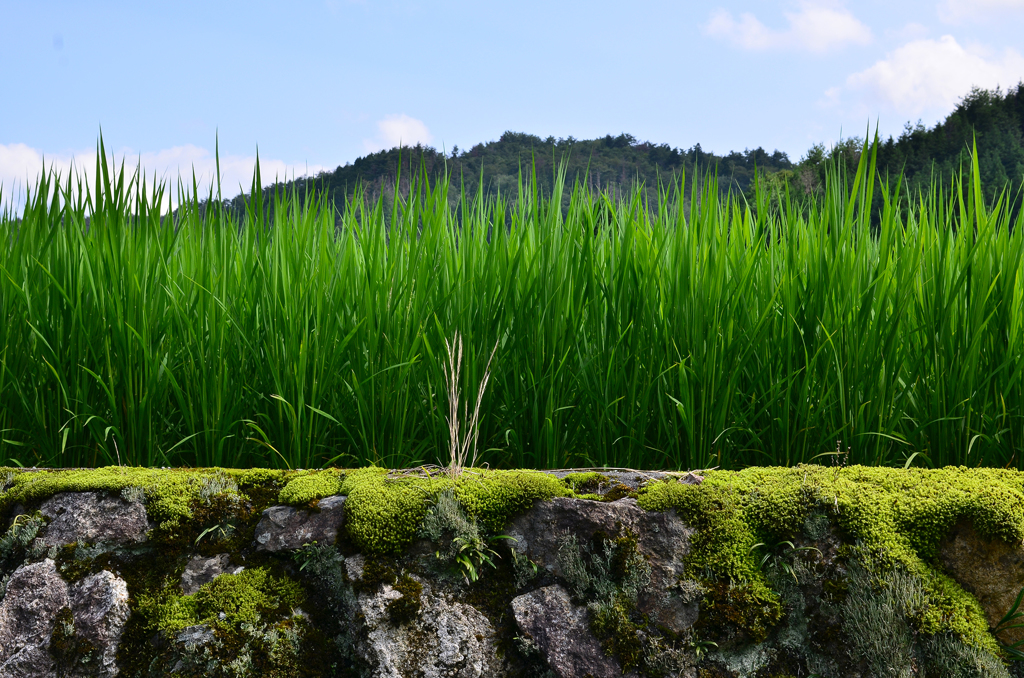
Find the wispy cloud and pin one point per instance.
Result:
(963, 11)
(395, 130)
(815, 26)
(932, 75)
(21, 166)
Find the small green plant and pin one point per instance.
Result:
(220, 531)
(468, 548)
(19, 535)
(947, 655)
(609, 576)
(472, 554)
(701, 648)
(588, 574)
(779, 556)
(307, 554)
(877, 613)
(1012, 620)
(524, 568)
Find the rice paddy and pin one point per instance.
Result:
(692, 331)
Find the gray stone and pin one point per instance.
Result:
(99, 603)
(662, 538)
(284, 527)
(354, 566)
(201, 570)
(446, 639)
(561, 631)
(35, 594)
(665, 541)
(93, 517)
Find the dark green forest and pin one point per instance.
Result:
(992, 119)
(613, 164)
(920, 157)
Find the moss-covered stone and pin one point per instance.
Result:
(900, 515)
(251, 596)
(170, 494)
(384, 511)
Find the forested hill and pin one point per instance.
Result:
(614, 164)
(994, 119)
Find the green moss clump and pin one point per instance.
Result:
(252, 477)
(739, 596)
(584, 482)
(383, 513)
(406, 608)
(308, 486)
(902, 515)
(494, 497)
(613, 624)
(248, 597)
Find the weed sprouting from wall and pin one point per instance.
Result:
(462, 433)
(445, 518)
(577, 563)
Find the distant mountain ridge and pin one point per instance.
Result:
(614, 164)
(994, 119)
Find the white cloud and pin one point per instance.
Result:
(22, 165)
(932, 75)
(395, 130)
(911, 31)
(817, 26)
(959, 11)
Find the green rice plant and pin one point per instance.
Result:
(699, 331)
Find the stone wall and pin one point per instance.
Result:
(766, 573)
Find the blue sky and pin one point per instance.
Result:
(317, 84)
